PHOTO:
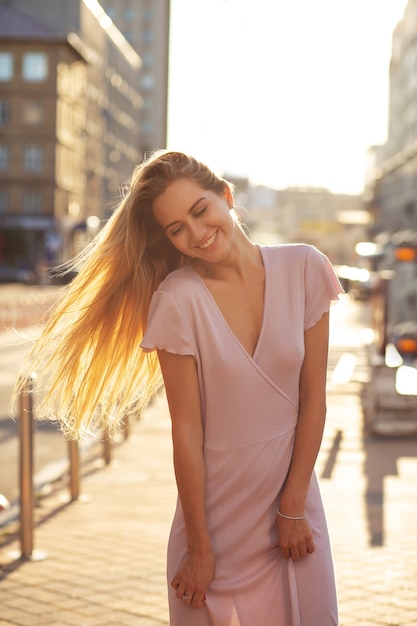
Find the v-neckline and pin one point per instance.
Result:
(226, 323)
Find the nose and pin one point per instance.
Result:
(197, 232)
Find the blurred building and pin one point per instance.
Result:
(334, 223)
(145, 24)
(392, 181)
(391, 190)
(69, 108)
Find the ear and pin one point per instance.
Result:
(228, 196)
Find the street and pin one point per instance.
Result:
(368, 485)
(378, 462)
(50, 446)
(348, 371)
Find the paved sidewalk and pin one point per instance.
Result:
(105, 552)
(105, 562)
(22, 306)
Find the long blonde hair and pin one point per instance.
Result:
(90, 369)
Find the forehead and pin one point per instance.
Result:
(180, 195)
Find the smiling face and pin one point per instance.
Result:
(198, 222)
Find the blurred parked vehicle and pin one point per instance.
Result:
(356, 281)
(390, 400)
(13, 274)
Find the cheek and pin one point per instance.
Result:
(179, 242)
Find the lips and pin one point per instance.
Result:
(209, 242)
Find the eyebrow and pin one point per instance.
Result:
(188, 212)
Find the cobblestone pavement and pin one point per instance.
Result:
(105, 552)
(22, 306)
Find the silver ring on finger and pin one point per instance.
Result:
(185, 597)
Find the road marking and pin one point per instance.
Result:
(343, 371)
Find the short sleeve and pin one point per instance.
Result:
(167, 328)
(322, 286)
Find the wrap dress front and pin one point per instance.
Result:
(249, 406)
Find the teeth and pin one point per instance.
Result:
(209, 241)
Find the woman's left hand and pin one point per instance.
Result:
(295, 538)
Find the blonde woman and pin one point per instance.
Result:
(240, 333)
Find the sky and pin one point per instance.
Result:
(284, 92)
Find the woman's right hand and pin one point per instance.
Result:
(196, 573)
(193, 579)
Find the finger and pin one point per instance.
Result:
(303, 551)
(198, 600)
(179, 588)
(285, 552)
(310, 546)
(187, 598)
(295, 554)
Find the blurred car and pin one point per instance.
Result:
(357, 281)
(13, 274)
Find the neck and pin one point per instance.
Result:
(243, 258)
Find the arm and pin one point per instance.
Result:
(295, 537)
(181, 384)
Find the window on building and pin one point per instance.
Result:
(148, 15)
(410, 209)
(33, 113)
(148, 105)
(4, 202)
(147, 128)
(129, 14)
(5, 111)
(147, 37)
(6, 66)
(148, 59)
(147, 82)
(32, 202)
(4, 158)
(112, 13)
(35, 67)
(129, 36)
(33, 159)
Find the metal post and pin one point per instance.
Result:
(126, 426)
(74, 457)
(107, 447)
(26, 475)
(26, 472)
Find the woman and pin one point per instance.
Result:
(241, 336)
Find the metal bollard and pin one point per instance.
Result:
(26, 471)
(26, 476)
(126, 426)
(74, 457)
(107, 447)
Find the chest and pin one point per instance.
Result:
(242, 307)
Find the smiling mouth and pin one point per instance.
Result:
(209, 242)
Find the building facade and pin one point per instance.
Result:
(69, 107)
(145, 24)
(334, 223)
(392, 186)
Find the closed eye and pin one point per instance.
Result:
(176, 231)
(200, 211)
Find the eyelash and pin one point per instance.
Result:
(198, 213)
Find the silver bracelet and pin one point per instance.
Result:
(296, 517)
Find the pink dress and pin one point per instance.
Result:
(249, 410)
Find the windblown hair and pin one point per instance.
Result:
(90, 369)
